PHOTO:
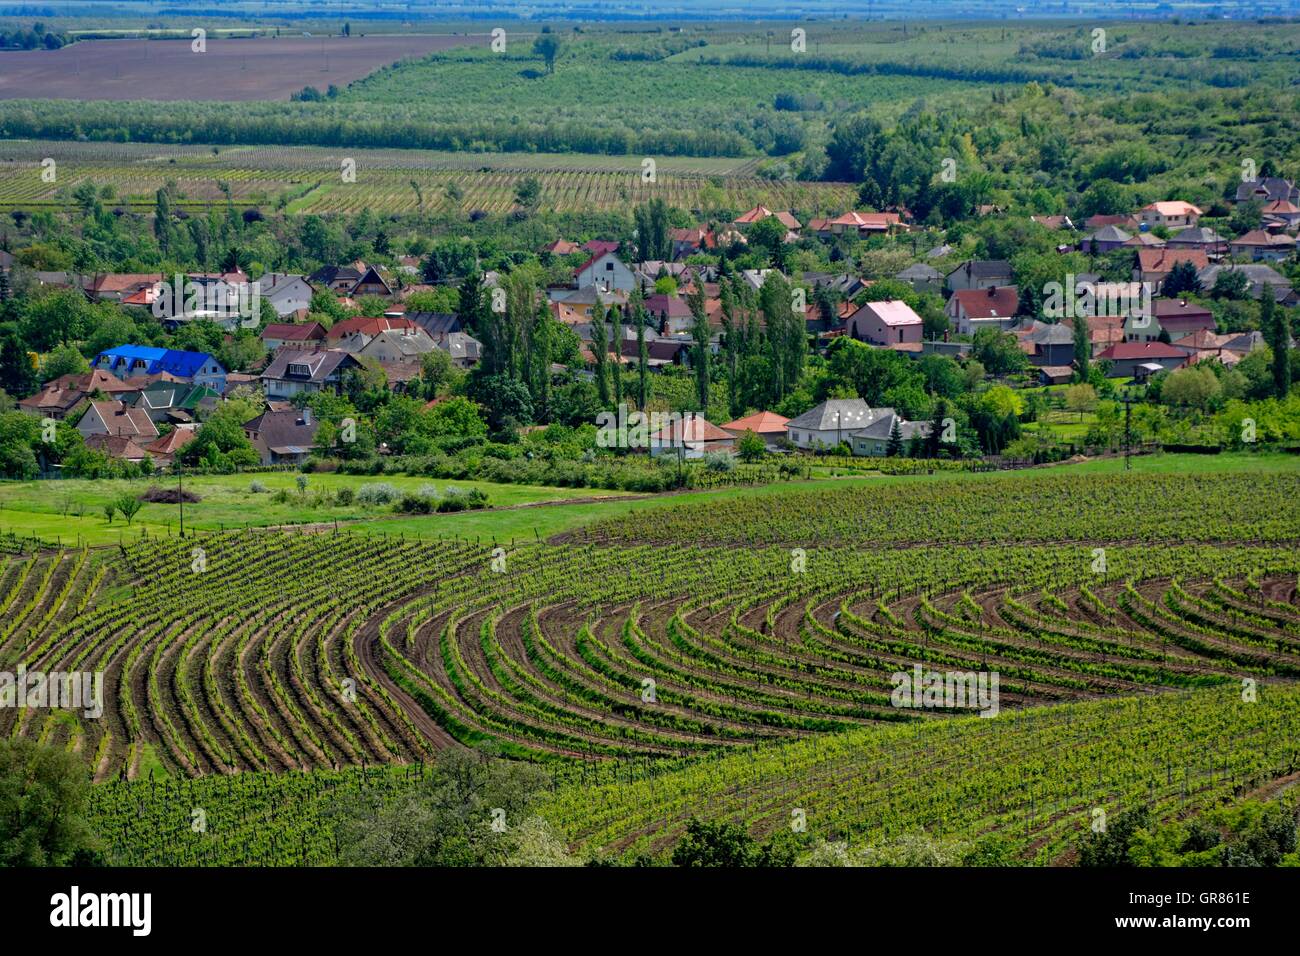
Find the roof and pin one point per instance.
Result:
(172, 442)
(867, 220)
(1051, 333)
(1256, 272)
(1164, 260)
(836, 413)
(1180, 308)
(596, 257)
(995, 302)
(919, 270)
(883, 426)
(406, 344)
(691, 428)
(561, 247)
(1142, 350)
(284, 432)
(1258, 237)
(436, 323)
(96, 380)
(181, 364)
(891, 312)
(1110, 233)
(121, 419)
(117, 446)
(598, 247)
(293, 331)
(1173, 207)
(321, 363)
(760, 423)
(1202, 235)
(983, 268)
(1281, 206)
(363, 325)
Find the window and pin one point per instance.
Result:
(609, 267)
(302, 371)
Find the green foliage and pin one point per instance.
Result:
(43, 806)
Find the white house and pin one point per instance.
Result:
(830, 423)
(607, 272)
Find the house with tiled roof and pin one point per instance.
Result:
(1172, 214)
(690, 436)
(1127, 358)
(1281, 210)
(687, 242)
(1127, 223)
(117, 286)
(607, 272)
(922, 277)
(306, 370)
(993, 307)
(1269, 189)
(1153, 265)
(826, 425)
(560, 247)
(288, 294)
(283, 437)
(163, 450)
(298, 334)
(1105, 239)
(873, 440)
(119, 447)
(978, 274)
(1177, 319)
(1258, 278)
(1260, 246)
(768, 426)
(129, 362)
(1199, 237)
(886, 322)
(118, 419)
(393, 348)
(354, 334)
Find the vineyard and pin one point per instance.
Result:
(645, 662)
(310, 180)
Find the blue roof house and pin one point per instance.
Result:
(131, 361)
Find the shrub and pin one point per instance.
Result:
(256, 487)
(377, 493)
(345, 496)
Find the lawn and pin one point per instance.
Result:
(71, 510)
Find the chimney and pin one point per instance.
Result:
(993, 290)
(306, 415)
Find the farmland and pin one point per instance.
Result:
(267, 68)
(309, 180)
(770, 662)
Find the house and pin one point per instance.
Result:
(979, 274)
(861, 224)
(370, 283)
(338, 279)
(119, 447)
(1055, 223)
(1154, 264)
(288, 294)
(759, 213)
(687, 242)
(163, 450)
(1258, 277)
(1145, 239)
(1048, 343)
(768, 426)
(873, 441)
(283, 437)
(1260, 246)
(605, 271)
(1287, 213)
(134, 361)
(117, 419)
(117, 286)
(887, 322)
(163, 401)
(828, 424)
(354, 334)
(1174, 214)
(58, 398)
(670, 313)
(464, 349)
(1199, 237)
(922, 277)
(659, 351)
(1127, 357)
(1127, 223)
(394, 348)
(306, 370)
(993, 307)
(560, 247)
(305, 335)
(1105, 239)
(437, 325)
(597, 247)
(1055, 374)
(690, 436)
(1179, 318)
(1269, 189)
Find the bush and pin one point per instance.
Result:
(415, 504)
(256, 487)
(377, 493)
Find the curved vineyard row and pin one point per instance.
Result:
(275, 651)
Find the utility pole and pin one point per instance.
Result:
(1128, 428)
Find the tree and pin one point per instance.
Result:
(1274, 324)
(1080, 398)
(128, 504)
(1196, 388)
(751, 447)
(529, 192)
(1082, 347)
(1230, 284)
(894, 447)
(44, 793)
(547, 46)
(600, 354)
(1182, 279)
(17, 377)
(729, 845)
(700, 334)
(436, 369)
(637, 304)
(999, 351)
(65, 360)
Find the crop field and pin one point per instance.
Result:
(310, 180)
(266, 68)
